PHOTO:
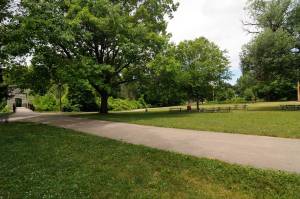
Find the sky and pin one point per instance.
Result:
(219, 21)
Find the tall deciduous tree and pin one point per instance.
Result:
(270, 58)
(3, 14)
(204, 66)
(264, 14)
(104, 42)
(162, 83)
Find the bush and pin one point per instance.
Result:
(45, 103)
(249, 94)
(2, 105)
(4, 108)
(125, 104)
(236, 100)
(51, 102)
(70, 108)
(82, 98)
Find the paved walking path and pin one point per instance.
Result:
(22, 113)
(257, 151)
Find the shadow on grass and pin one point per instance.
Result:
(135, 116)
(4, 117)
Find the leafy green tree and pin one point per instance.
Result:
(264, 14)
(82, 96)
(3, 14)
(269, 57)
(246, 87)
(203, 65)
(162, 83)
(223, 92)
(104, 42)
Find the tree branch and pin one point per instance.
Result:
(68, 54)
(125, 81)
(122, 68)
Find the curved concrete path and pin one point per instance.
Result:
(257, 151)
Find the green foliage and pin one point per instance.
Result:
(3, 15)
(249, 94)
(236, 100)
(162, 83)
(281, 89)
(45, 103)
(272, 14)
(204, 66)
(4, 108)
(125, 104)
(223, 92)
(51, 102)
(106, 43)
(271, 60)
(3, 91)
(82, 96)
(269, 56)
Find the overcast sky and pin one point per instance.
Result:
(219, 21)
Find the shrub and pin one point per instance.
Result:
(51, 102)
(4, 108)
(45, 103)
(236, 100)
(2, 105)
(82, 97)
(125, 104)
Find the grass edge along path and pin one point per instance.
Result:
(262, 123)
(42, 161)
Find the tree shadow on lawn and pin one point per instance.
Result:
(136, 116)
(4, 117)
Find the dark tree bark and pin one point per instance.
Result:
(198, 103)
(1, 75)
(104, 102)
(104, 98)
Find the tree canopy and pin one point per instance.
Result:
(105, 42)
(272, 57)
(4, 4)
(204, 67)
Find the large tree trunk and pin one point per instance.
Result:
(104, 102)
(198, 103)
(1, 75)
(298, 91)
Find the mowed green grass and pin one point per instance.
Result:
(38, 161)
(259, 106)
(267, 123)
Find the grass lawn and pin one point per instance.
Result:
(268, 123)
(38, 161)
(3, 114)
(259, 106)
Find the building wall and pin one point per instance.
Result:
(17, 93)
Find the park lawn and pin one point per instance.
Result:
(39, 161)
(267, 123)
(4, 114)
(258, 106)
